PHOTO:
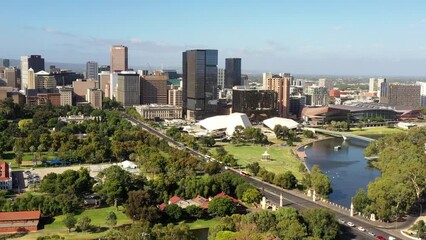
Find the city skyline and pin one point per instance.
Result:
(310, 37)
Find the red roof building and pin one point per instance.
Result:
(201, 201)
(162, 206)
(5, 176)
(24, 221)
(174, 199)
(222, 194)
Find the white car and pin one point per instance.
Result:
(341, 221)
(350, 224)
(361, 229)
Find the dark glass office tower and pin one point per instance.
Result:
(36, 62)
(232, 72)
(199, 83)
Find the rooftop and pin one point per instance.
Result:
(23, 215)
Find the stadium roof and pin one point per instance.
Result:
(272, 122)
(225, 122)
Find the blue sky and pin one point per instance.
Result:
(369, 37)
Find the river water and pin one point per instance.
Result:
(347, 168)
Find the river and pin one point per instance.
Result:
(347, 168)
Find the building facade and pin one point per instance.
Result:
(80, 89)
(11, 75)
(154, 111)
(128, 88)
(119, 58)
(36, 62)
(256, 104)
(422, 93)
(5, 176)
(221, 78)
(324, 82)
(281, 85)
(175, 96)
(6, 62)
(232, 72)
(104, 83)
(404, 96)
(91, 70)
(199, 83)
(317, 96)
(94, 96)
(154, 88)
(66, 96)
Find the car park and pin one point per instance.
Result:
(350, 224)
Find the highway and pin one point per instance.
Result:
(272, 193)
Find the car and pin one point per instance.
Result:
(391, 238)
(341, 221)
(27, 172)
(350, 224)
(371, 234)
(361, 229)
(380, 238)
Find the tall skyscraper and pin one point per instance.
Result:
(36, 62)
(221, 78)
(372, 85)
(154, 88)
(91, 70)
(119, 58)
(232, 72)
(281, 85)
(380, 82)
(6, 63)
(266, 76)
(199, 83)
(128, 88)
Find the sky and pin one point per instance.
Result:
(340, 37)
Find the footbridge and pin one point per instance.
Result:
(340, 134)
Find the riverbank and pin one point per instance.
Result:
(301, 157)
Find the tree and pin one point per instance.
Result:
(70, 221)
(32, 150)
(174, 212)
(241, 188)
(254, 168)
(321, 223)
(308, 133)
(111, 219)
(264, 220)
(285, 180)
(361, 201)
(194, 211)
(18, 158)
(212, 167)
(141, 205)
(252, 195)
(320, 182)
(84, 223)
(290, 229)
(221, 206)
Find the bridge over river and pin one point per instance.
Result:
(340, 134)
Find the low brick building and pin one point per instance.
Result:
(24, 221)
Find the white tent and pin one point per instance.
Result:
(272, 122)
(225, 122)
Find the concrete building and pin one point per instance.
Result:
(199, 83)
(221, 78)
(11, 75)
(422, 93)
(244, 80)
(256, 104)
(265, 78)
(380, 82)
(66, 96)
(232, 72)
(94, 96)
(80, 89)
(119, 58)
(154, 111)
(403, 96)
(113, 79)
(42, 80)
(324, 82)
(91, 70)
(104, 83)
(372, 85)
(317, 96)
(5, 176)
(175, 96)
(281, 85)
(128, 88)
(154, 88)
(36, 62)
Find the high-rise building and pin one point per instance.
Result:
(6, 63)
(119, 58)
(43, 80)
(403, 96)
(297, 103)
(94, 96)
(66, 96)
(244, 80)
(281, 85)
(256, 104)
(232, 72)
(317, 96)
(175, 96)
(80, 89)
(372, 85)
(266, 76)
(128, 88)
(104, 83)
(154, 88)
(199, 83)
(324, 82)
(36, 62)
(11, 76)
(380, 82)
(422, 93)
(31, 79)
(221, 78)
(91, 70)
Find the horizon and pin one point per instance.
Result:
(350, 38)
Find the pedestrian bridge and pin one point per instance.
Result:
(340, 134)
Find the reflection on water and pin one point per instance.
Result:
(347, 167)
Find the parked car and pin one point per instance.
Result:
(350, 224)
(361, 229)
(341, 221)
(380, 238)
(371, 234)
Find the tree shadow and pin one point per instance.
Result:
(18, 234)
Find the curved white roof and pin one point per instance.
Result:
(272, 122)
(228, 122)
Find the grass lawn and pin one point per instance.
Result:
(376, 131)
(97, 215)
(282, 157)
(28, 156)
(201, 223)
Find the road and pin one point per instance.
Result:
(272, 193)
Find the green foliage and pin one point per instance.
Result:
(174, 212)
(207, 141)
(194, 211)
(266, 175)
(321, 223)
(286, 180)
(213, 167)
(243, 188)
(361, 201)
(84, 223)
(111, 219)
(69, 182)
(141, 204)
(264, 220)
(321, 183)
(221, 206)
(254, 168)
(308, 133)
(70, 221)
(252, 195)
(420, 228)
(249, 134)
(172, 232)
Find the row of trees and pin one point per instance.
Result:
(248, 135)
(402, 162)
